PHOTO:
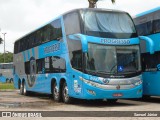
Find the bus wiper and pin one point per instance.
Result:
(92, 72)
(105, 72)
(113, 68)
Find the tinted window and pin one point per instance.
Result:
(27, 67)
(40, 66)
(144, 28)
(58, 64)
(55, 29)
(72, 23)
(150, 61)
(52, 31)
(148, 24)
(110, 24)
(75, 53)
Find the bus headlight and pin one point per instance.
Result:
(89, 82)
(138, 81)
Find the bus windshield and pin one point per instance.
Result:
(113, 59)
(108, 24)
(6, 66)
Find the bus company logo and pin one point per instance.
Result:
(105, 81)
(158, 67)
(52, 48)
(31, 78)
(115, 41)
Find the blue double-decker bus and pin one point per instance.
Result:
(6, 72)
(85, 53)
(148, 24)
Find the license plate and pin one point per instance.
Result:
(117, 95)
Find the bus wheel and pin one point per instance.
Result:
(65, 95)
(55, 93)
(7, 80)
(111, 101)
(21, 89)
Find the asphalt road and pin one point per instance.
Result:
(13, 101)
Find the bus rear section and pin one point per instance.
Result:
(148, 24)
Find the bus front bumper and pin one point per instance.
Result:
(91, 92)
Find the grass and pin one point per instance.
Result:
(5, 86)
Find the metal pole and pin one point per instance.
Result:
(4, 45)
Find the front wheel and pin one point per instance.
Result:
(65, 96)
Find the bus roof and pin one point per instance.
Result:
(148, 12)
(92, 9)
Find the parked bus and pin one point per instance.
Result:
(148, 24)
(6, 72)
(85, 53)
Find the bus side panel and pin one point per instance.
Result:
(151, 83)
(2, 79)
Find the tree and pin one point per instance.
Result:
(1, 40)
(92, 3)
(8, 56)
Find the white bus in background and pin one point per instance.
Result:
(6, 72)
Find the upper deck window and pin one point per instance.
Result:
(108, 24)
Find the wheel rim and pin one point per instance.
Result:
(65, 93)
(21, 88)
(24, 89)
(56, 93)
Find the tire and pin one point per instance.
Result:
(111, 101)
(56, 93)
(65, 96)
(7, 80)
(11, 80)
(23, 90)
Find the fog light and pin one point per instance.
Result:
(91, 92)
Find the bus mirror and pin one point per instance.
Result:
(83, 41)
(150, 43)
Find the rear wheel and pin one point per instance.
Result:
(23, 90)
(56, 93)
(65, 96)
(7, 80)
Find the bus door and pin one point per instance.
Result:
(76, 73)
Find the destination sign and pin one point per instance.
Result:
(115, 41)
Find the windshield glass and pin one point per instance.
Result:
(6, 66)
(108, 24)
(113, 59)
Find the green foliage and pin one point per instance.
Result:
(1, 40)
(4, 86)
(8, 57)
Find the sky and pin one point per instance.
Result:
(19, 17)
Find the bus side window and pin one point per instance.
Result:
(57, 64)
(75, 53)
(40, 66)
